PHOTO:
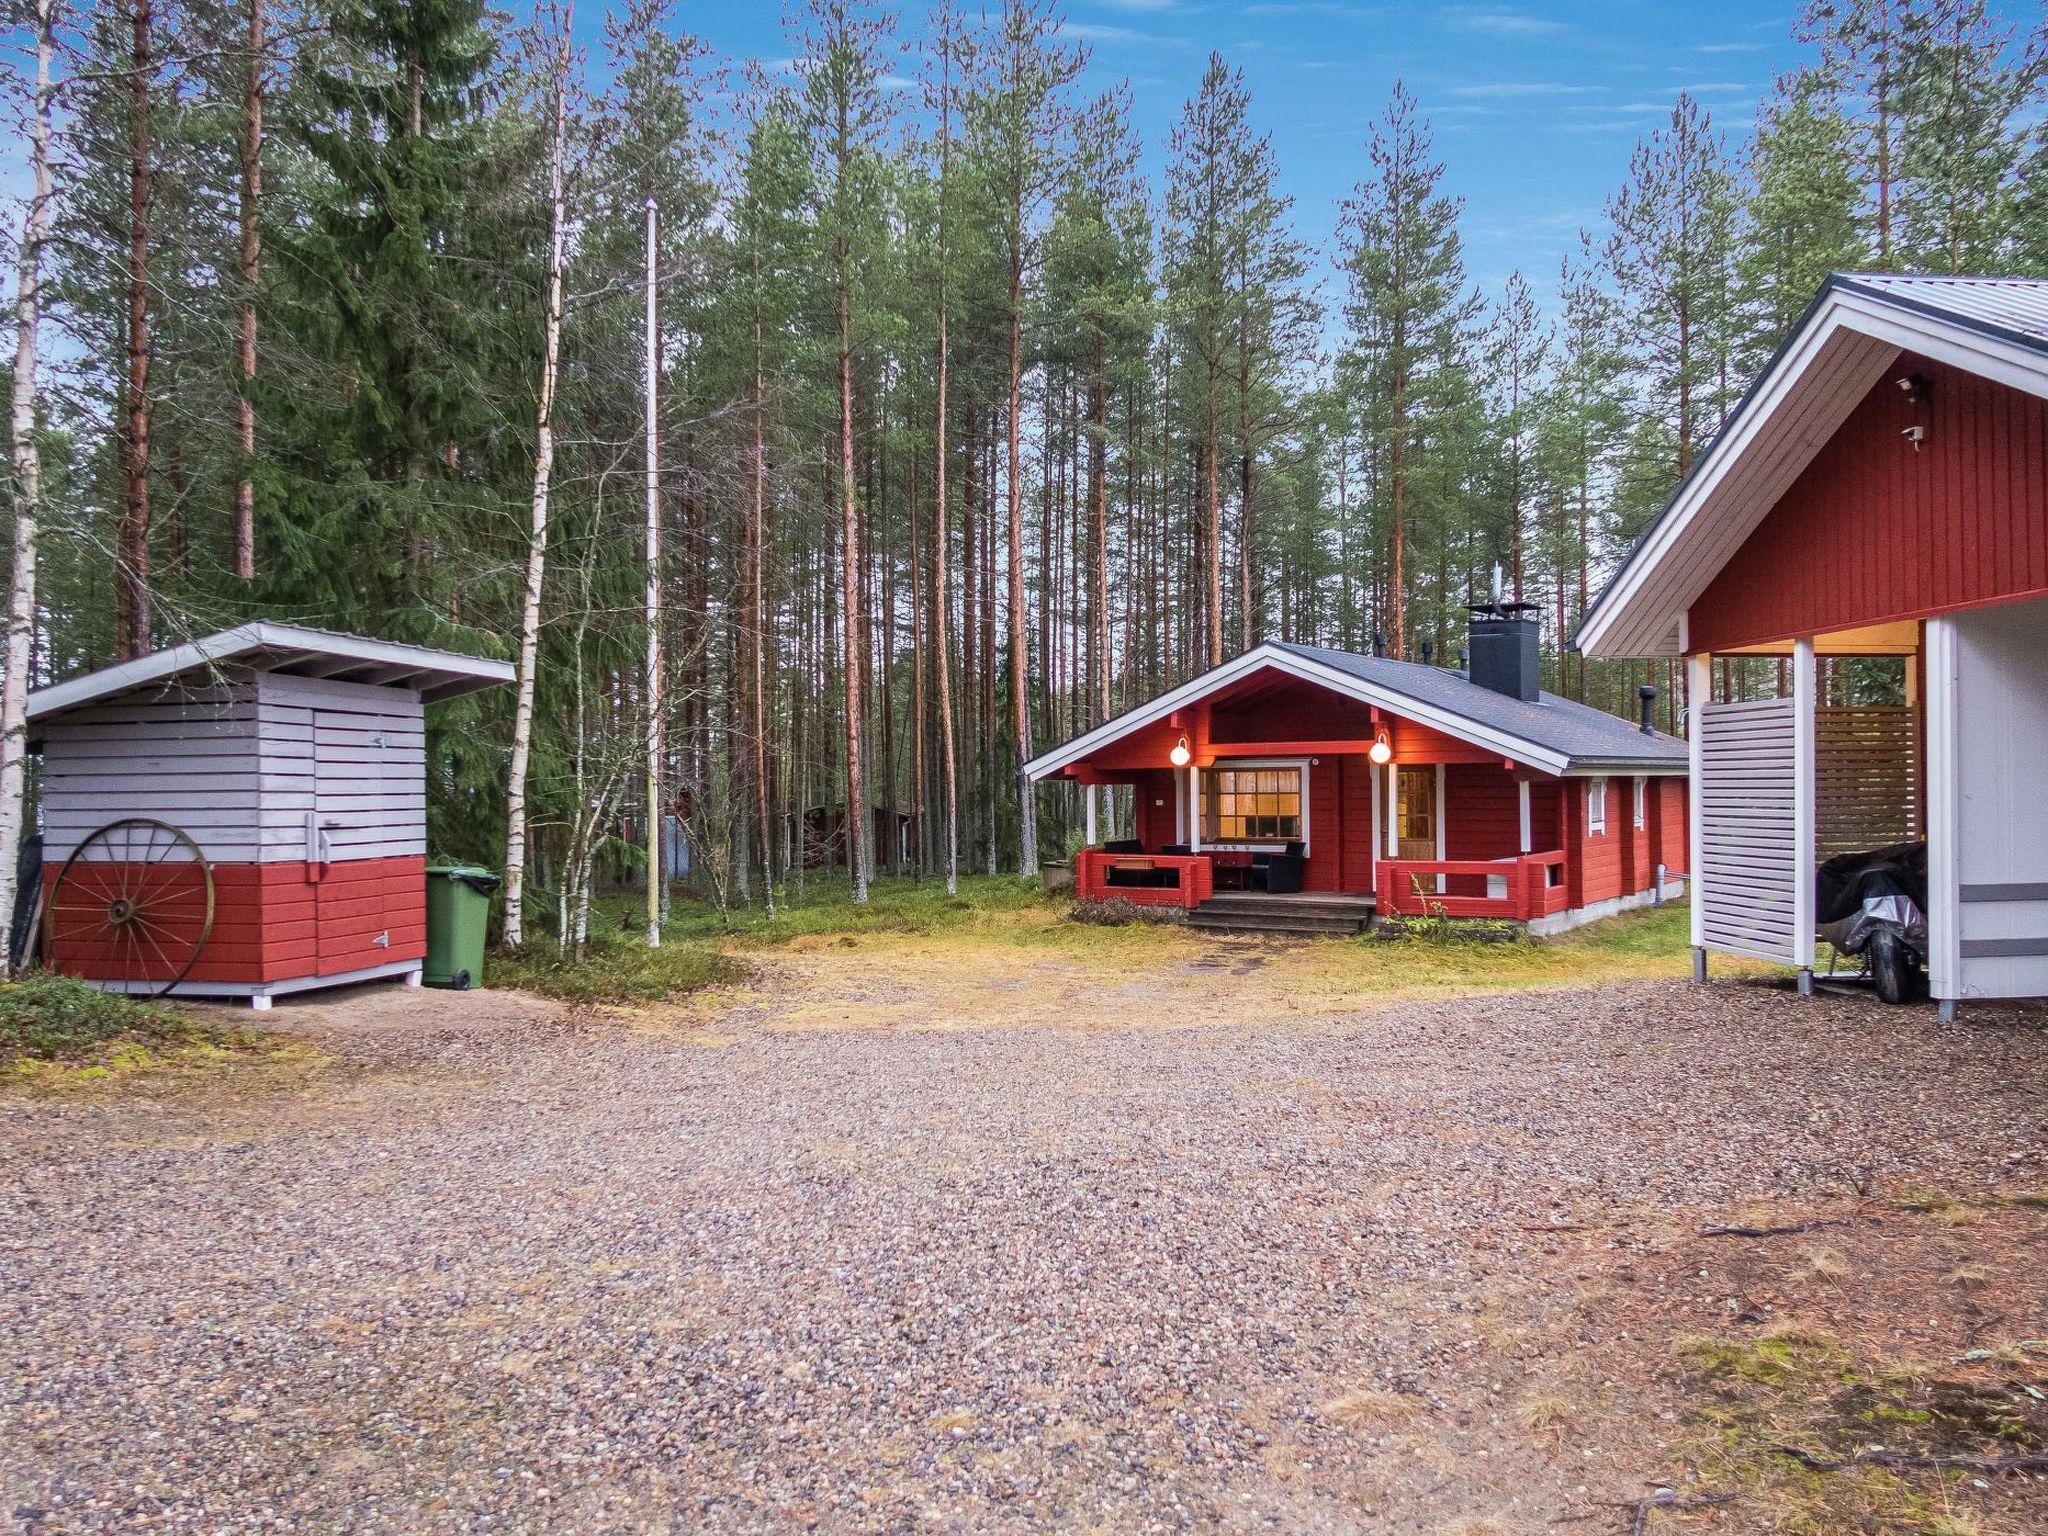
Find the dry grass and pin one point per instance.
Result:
(1372, 1408)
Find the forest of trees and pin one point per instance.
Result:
(970, 431)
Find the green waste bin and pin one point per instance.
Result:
(458, 911)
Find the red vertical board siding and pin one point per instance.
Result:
(1324, 868)
(1153, 798)
(1874, 531)
(1357, 828)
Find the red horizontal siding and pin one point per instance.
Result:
(272, 922)
(1875, 531)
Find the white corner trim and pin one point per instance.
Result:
(1944, 815)
(1804, 773)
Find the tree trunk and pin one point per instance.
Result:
(537, 533)
(1020, 618)
(21, 587)
(252, 251)
(131, 593)
(757, 580)
(849, 597)
(1098, 529)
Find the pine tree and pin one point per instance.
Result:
(1801, 215)
(1409, 319)
(1966, 85)
(1670, 254)
(1017, 117)
(846, 113)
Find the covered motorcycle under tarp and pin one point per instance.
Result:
(1874, 904)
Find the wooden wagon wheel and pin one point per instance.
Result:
(133, 904)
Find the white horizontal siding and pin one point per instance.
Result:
(246, 765)
(1747, 857)
(367, 749)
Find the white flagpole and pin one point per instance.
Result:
(654, 693)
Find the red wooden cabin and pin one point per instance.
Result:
(1330, 781)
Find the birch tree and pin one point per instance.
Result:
(28, 469)
(562, 22)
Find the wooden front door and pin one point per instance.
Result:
(1415, 812)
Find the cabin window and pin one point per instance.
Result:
(1255, 805)
(1642, 803)
(1596, 807)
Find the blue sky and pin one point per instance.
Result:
(1536, 107)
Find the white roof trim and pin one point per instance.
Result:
(437, 674)
(1333, 678)
(1856, 334)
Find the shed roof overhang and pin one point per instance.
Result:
(1853, 331)
(1278, 659)
(288, 649)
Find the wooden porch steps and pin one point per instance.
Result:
(1308, 915)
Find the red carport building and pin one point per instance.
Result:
(1880, 492)
(1299, 788)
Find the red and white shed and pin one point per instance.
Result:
(244, 815)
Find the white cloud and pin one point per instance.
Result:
(1097, 32)
(1506, 23)
(1503, 88)
(1728, 48)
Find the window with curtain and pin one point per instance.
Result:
(1254, 805)
(1596, 806)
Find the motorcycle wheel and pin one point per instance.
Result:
(1891, 967)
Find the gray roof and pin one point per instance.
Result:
(285, 648)
(2016, 307)
(1589, 737)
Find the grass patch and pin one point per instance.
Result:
(1794, 1389)
(616, 969)
(701, 941)
(1650, 943)
(56, 1031)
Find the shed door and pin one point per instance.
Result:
(352, 779)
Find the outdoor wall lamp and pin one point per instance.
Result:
(1182, 754)
(1382, 749)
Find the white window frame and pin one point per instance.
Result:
(1303, 764)
(1596, 807)
(1642, 802)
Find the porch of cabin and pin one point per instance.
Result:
(1287, 794)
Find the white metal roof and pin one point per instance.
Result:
(1855, 329)
(286, 648)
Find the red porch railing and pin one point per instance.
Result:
(1534, 887)
(1148, 879)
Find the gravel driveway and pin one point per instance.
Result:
(511, 1270)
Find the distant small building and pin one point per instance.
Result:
(1305, 789)
(824, 837)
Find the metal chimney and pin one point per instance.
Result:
(1648, 694)
(1379, 642)
(1428, 652)
(1506, 649)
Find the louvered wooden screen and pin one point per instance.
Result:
(1866, 778)
(1747, 850)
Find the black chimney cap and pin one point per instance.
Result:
(1648, 694)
